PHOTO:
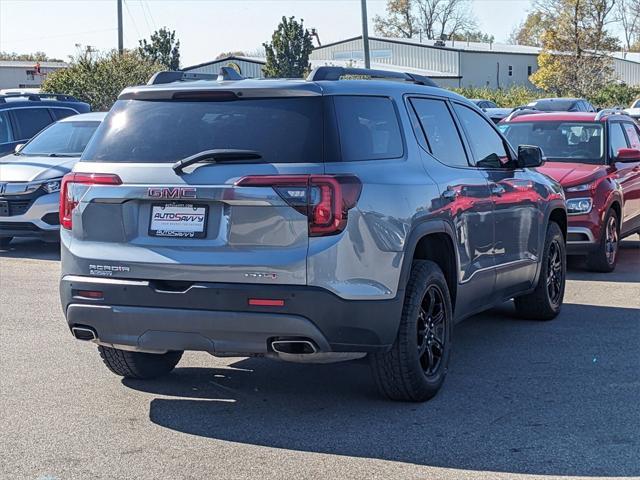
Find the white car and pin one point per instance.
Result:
(30, 177)
(634, 111)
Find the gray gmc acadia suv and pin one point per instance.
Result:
(308, 220)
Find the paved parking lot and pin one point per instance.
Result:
(522, 400)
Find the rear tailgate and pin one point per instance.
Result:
(198, 225)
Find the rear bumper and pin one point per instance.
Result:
(214, 317)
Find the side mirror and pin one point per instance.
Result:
(529, 156)
(628, 155)
(19, 147)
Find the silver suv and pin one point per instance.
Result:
(314, 221)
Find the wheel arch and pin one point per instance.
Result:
(433, 240)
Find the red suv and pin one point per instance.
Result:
(596, 159)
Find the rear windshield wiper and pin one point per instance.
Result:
(216, 156)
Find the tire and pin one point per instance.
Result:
(137, 364)
(5, 241)
(408, 372)
(604, 259)
(545, 301)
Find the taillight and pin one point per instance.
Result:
(69, 197)
(324, 199)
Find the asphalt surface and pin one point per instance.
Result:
(523, 399)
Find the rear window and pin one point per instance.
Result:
(283, 130)
(368, 127)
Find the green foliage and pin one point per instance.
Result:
(399, 21)
(28, 57)
(611, 95)
(503, 97)
(530, 31)
(289, 50)
(576, 45)
(163, 48)
(99, 79)
(473, 36)
(615, 95)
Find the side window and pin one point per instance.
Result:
(61, 113)
(632, 135)
(5, 129)
(31, 121)
(486, 144)
(617, 139)
(368, 128)
(440, 131)
(490, 105)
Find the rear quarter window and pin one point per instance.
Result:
(368, 128)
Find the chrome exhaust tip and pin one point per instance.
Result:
(294, 347)
(84, 333)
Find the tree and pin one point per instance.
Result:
(473, 36)
(98, 79)
(628, 16)
(235, 53)
(530, 31)
(28, 57)
(288, 53)
(576, 46)
(162, 48)
(400, 21)
(435, 19)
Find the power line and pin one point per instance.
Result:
(133, 20)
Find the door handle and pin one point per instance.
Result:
(497, 189)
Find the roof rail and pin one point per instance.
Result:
(226, 73)
(335, 73)
(36, 97)
(605, 112)
(519, 111)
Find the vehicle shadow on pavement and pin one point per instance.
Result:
(32, 249)
(521, 397)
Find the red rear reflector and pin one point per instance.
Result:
(265, 302)
(68, 201)
(93, 294)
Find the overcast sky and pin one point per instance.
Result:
(205, 27)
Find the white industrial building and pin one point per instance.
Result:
(25, 74)
(450, 64)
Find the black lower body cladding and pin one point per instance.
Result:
(218, 318)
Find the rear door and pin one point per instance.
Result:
(204, 223)
(517, 204)
(628, 175)
(465, 201)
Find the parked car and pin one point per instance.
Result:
(596, 158)
(634, 111)
(24, 115)
(311, 221)
(561, 105)
(492, 110)
(30, 177)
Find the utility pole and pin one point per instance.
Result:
(120, 37)
(365, 34)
